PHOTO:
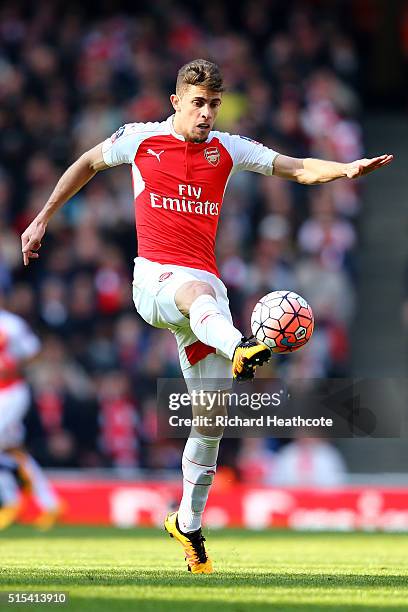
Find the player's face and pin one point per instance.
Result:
(196, 111)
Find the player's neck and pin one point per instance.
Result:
(178, 129)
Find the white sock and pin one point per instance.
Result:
(41, 488)
(212, 327)
(199, 466)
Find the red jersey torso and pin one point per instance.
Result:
(177, 213)
(179, 187)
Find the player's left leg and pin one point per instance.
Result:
(35, 482)
(199, 461)
(14, 403)
(209, 372)
(9, 491)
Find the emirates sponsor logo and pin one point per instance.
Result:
(196, 205)
(212, 155)
(183, 205)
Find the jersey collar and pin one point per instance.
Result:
(172, 130)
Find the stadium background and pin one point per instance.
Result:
(306, 78)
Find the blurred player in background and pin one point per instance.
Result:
(180, 170)
(19, 472)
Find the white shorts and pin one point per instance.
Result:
(154, 288)
(14, 403)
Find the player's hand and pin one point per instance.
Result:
(31, 240)
(364, 166)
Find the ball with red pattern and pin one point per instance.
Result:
(282, 320)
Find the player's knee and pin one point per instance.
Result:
(188, 293)
(197, 288)
(216, 431)
(213, 426)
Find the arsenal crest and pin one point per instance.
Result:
(212, 155)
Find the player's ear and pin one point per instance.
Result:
(175, 102)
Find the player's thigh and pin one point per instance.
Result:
(154, 289)
(155, 286)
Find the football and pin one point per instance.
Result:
(282, 320)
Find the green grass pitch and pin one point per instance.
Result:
(143, 570)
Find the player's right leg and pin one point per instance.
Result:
(173, 297)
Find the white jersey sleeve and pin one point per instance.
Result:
(122, 146)
(248, 154)
(22, 343)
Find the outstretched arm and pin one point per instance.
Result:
(311, 171)
(73, 179)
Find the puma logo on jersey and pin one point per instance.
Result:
(151, 152)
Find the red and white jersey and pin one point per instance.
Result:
(17, 343)
(179, 187)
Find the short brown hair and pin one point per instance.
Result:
(199, 72)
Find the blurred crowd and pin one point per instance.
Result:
(68, 80)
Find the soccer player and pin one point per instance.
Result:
(18, 470)
(180, 169)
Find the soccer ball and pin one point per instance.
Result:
(282, 320)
